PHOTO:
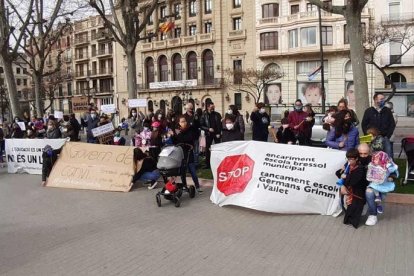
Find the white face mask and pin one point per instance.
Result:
(145, 128)
(134, 114)
(285, 126)
(93, 115)
(230, 112)
(262, 110)
(159, 117)
(229, 126)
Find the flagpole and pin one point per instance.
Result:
(321, 56)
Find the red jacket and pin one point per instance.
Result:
(295, 118)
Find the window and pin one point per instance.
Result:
(207, 6)
(192, 66)
(1, 70)
(208, 67)
(177, 68)
(237, 3)
(346, 36)
(60, 90)
(19, 94)
(68, 41)
(238, 100)
(163, 68)
(18, 81)
(149, 70)
(237, 71)
(306, 67)
(177, 32)
(192, 8)
(308, 36)
(237, 23)
(268, 41)
(294, 9)
(270, 10)
(395, 52)
(326, 35)
(93, 50)
(25, 82)
(348, 67)
(24, 70)
(310, 7)
(151, 20)
(69, 88)
(17, 70)
(192, 30)
(163, 12)
(93, 34)
(207, 27)
(293, 38)
(177, 11)
(394, 10)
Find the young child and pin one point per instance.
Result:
(124, 126)
(284, 134)
(118, 139)
(143, 138)
(379, 143)
(381, 174)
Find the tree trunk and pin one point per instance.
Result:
(353, 20)
(132, 73)
(37, 79)
(11, 86)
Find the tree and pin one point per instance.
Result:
(129, 18)
(9, 52)
(250, 81)
(386, 35)
(352, 11)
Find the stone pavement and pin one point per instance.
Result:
(47, 231)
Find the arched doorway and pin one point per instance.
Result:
(150, 106)
(162, 106)
(398, 79)
(208, 67)
(177, 105)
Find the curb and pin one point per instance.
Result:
(391, 197)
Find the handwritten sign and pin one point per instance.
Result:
(93, 167)
(108, 108)
(58, 114)
(137, 103)
(22, 126)
(102, 130)
(80, 104)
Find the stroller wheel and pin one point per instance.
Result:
(177, 202)
(192, 191)
(158, 198)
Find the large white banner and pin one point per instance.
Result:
(276, 177)
(25, 155)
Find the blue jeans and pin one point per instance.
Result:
(150, 176)
(91, 140)
(370, 198)
(193, 172)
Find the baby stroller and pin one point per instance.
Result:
(173, 163)
(407, 145)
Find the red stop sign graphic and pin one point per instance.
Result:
(233, 174)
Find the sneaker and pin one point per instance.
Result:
(199, 191)
(153, 185)
(380, 209)
(371, 221)
(377, 199)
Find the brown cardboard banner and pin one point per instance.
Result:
(93, 167)
(80, 104)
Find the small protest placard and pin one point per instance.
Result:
(80, 104)
(102, 130)
(58, 114)
(22, 126)
(137, 103)
(108, 108)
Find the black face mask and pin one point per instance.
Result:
(365, 160)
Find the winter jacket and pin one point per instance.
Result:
(91, 124)
(285, 136)
(351, 139)
(206, 119)
(53, 134)
(261, 122)
(295, 118)
(383, 120)
(185, 137)
(232, 135)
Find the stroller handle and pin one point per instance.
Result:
(190, 147)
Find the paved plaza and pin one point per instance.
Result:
(48, 231)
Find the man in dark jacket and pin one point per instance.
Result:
(379, 116)
(91, 121)
(211, 124)
(261, 122)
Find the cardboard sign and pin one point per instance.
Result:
(80, 104)
(137, 103)
(108, 108)
(22, 126)
(102, 130)
(58, 114)
(25, 155)
(93, 167)
(276, 178)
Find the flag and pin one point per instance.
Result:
(166, 27)
(313, 74)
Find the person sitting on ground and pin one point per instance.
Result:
(353, 189)
(53, 132)
(284, 134)
(230, 130)
(50, 157)
(379, 143)
(118, 139)
(145, 168)
(343, 135)
(381, 175)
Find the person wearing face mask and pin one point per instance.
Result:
(380, 117)
(211, 125)
(135, 120)
(300, 122)
(231, 131)
(261, 122)
(53, 131)
(91, 122)
(238, 122)
(284, 134)
(160, 117)
(118, 139)
(49, 157)
(343, 135)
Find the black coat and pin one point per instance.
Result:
(382, 120)
(205, 124)
(285, 136)
(356, 180)
(231, 135)
(48, 162)
(261, 122)
(185, 137)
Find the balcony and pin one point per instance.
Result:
(302, 16)
(406, 60)
(81, 57)
(81, 74)
(106, 71)
(103, 35)
(81, 40)
(237, 34)
(178, 42)
(396, 19)
(105, 52)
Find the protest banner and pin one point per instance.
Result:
(80, 104)
(107, 128)
(25, 155)
(108, 108)
(137, 103)
(58, 114)
(276, 178)
(93, 167)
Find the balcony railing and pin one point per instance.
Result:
(81, 74)
(237, 34)
(81, 56)
(81, 40)
(103, 35)
(106, 71)
(107, 51)
(178, 42)
(404, 17)
(293, 17)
